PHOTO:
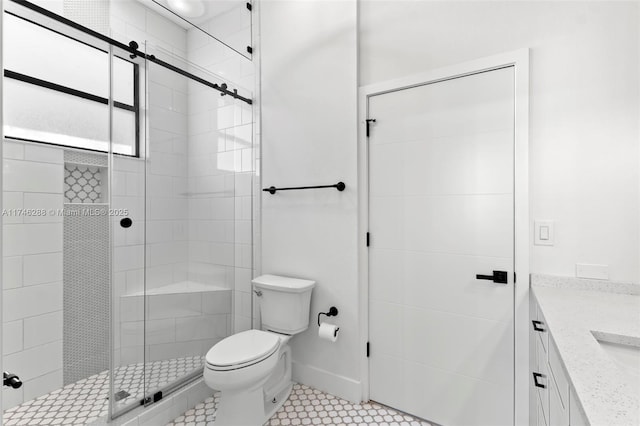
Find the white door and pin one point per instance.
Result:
(441, 208)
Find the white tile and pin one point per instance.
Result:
(243, 232)
(52, 204)
(12, 397)
(128, 257)
(159, 276)
(160, 331)
(242, 279)
(12, 203)
(174, 350)
(243, 184)
(135, 280)
(12, 337)
(165, 30)
(226, 117)
(202, 327)
(221, 254)
(131, 333)
(35, 362)
(43, 154)
(242, 303)
(42, 268)
(42, 385)
(159, 96)
(241, 324)
(216, 302)
(174, 305)
(13, 150)
(33, 300)
(132, 308)
(166, 253)
(42, 329)
(29, 176)
(12, 272)
(32, 238)
(132, 355)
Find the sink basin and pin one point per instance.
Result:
(623, 350)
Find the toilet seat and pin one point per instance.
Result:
(242, 350)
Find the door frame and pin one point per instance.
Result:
(519, 59)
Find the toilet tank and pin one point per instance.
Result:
(284, 303)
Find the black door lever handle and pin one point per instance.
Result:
(499, 277)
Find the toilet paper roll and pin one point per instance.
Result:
(328, 331)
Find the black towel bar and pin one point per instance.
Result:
(340, 186)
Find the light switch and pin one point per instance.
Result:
(543, 233)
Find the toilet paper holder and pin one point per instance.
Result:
(333, 311)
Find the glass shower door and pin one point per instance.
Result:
(190, 210)
(127, 226)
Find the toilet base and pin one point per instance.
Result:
(270, 407)
(258, 405)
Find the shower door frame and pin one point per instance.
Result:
(519, 59)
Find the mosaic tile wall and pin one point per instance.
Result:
(85, 292)
(82, 184)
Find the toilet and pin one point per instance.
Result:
(252, 369)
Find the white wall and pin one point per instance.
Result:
(309, 84)
(584, 107)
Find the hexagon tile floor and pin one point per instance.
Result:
(307, 406)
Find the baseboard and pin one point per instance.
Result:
(326, 381)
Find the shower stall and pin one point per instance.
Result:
(127, 209)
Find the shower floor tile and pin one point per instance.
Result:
(85, 401)
(307, 406)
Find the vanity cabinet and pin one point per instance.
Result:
(553, 402)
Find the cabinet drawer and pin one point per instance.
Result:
(558, 375)
(543, 335)
(558, 412)
(540, 420)
(541, 377)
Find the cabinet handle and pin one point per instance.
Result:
(537, 376)
(537, 324)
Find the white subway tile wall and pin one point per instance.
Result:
(32, 272)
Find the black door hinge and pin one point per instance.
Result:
(157, 396)
(367, 349)
(514, 277)
(249, 49)
(368, 239)
(249, 6)
(369, 121)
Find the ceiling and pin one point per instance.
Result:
(211, 8)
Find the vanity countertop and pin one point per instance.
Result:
(608, 395)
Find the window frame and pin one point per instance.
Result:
(135, 108)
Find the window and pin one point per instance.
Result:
(56, 91)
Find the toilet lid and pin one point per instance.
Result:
(242, 348)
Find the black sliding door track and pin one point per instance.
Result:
(220, 88)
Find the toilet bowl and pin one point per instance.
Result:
(252, 369)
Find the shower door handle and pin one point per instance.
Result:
(499, 277)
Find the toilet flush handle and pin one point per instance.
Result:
(258, 293)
